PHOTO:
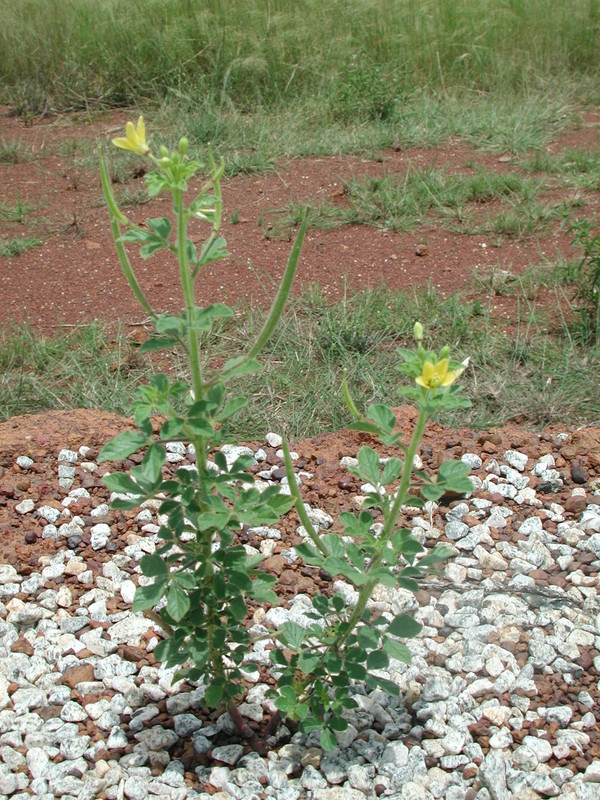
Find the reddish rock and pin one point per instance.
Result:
(575, 504)
(78, 674)
(22, 646)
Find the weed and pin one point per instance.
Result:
(15, 212)
(131, 197)
(86, 367)
(585, 275)
(298, 391)
(16, 246)
(14, 152)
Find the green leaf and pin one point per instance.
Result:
(377, 660)
(355, 671)
(150, 468)
(213, 250)
(178, 603)
(232, 407)
(328, 740)
(121, 503)
(407, 583)
(155, 183)
(147, 249)
(122, 446)
(397, 650)
(280, 503)
(168, 322)
(148, 596)
(375, 681)
(214, 693)
(439, 554)
(365, 427)
(136, 236)
(161, 226)
(287, 699)
(121, 482)
(392, 470)
(201, 426)
(367, 637)
(171, 428)
(382, 416)
(368, 463)
(154, 566)
(192, 253)
(307, 662)
(157, 343)
(293, 634)
(238, 367)
(202, 318)
(404, 626)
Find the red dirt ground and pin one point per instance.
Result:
(74, 275)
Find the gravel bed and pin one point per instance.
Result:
(501, 700)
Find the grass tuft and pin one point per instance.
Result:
(14, 247)
(531, 372)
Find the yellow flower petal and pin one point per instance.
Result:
(436, 375)
(449, 379)
(135, 138)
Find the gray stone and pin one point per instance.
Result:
(312, 779)
(68, 456)
(228, 753)
(185, 724)
(472, 459)
(492, 774)
(516, 459)
(541, 747)
(456, 530)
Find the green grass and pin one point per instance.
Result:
(14, 152)
(401, 203)
(16, 246)
(130, 197)
(363, 56)
(573, 167)
(85, 368)
(535, 373)
(14, 212)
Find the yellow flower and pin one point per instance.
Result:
(436, 375)
(134, 139)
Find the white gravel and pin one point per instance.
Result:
(481, 715)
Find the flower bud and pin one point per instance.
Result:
(183, 145)
(164, 153)
(418, 332)
(444, 352)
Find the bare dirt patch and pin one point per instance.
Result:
(74, 276)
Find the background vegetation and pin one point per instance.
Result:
(349, 57)
(265, 79)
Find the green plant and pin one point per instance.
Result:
(16, 212)
(14, 247)
(202, 581)
(14, 152)
(585, 274)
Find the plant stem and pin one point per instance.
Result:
(116, 220)
(187, 286)
(388, 528)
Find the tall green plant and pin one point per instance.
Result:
(202, 579)
(586, 277)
